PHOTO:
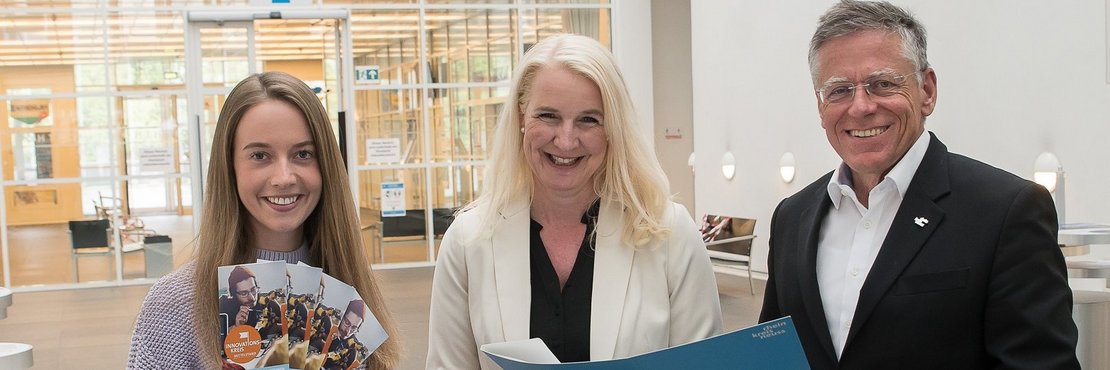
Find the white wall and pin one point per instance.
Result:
(673, 104)
(1015, 78)
(632, 48)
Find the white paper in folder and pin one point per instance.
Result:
(531, 350)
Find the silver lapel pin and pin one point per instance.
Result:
(920, 221)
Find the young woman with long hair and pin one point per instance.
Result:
(277, 190)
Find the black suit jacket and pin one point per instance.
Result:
(981, 285)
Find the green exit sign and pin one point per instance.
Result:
(367, 75)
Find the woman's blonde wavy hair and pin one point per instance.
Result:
(630, 175)
(331, 231)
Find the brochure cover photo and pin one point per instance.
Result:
(250, 312)
(356, 337)
(344, 330)
(275, 315)
(305, 287)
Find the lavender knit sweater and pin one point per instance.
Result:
(164, 337)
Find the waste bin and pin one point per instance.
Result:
(1091, 312)
(159, 255)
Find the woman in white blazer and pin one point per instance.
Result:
(574, 239)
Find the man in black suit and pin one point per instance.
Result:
(908, 256)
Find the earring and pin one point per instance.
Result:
(522, 130)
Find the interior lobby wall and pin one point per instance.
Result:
(51, 202)
(673, 105)
(306, 70)
(1015, 79)
(632, 48)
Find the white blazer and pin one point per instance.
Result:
(661, 295)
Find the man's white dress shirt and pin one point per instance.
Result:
(852, 234)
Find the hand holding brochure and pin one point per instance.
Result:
(770, 345)
(293, 316)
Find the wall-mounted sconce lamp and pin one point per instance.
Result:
(1044, 170)
(728, 165)
(786, 167)
(1048, 172)
(690, 162)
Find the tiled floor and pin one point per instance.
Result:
(91, 328)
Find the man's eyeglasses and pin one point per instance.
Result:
(876, 86)
(349, 323)
(247, 293)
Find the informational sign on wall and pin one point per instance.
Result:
(156, 160)
(367, 75)
(35, 197)
(30, 111)
(393, 199)
(672, 133)
(383, 150)
(44, 157)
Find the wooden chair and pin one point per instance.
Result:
(729, 243)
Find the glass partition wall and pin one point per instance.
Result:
(107, 122)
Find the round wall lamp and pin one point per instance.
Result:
(1045, 170)
(786, 167)
(1048, 172)
(728, 165)
(690, 162)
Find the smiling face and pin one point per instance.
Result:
(276, 173)
(872, 133)
(564, 137)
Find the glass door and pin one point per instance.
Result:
(222, 48)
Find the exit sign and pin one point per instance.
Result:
(367, 75)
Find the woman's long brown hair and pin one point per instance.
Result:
(332, 230)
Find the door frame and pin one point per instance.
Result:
(198, 19)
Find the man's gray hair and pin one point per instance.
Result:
(849, 16)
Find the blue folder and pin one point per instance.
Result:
(770, 345)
